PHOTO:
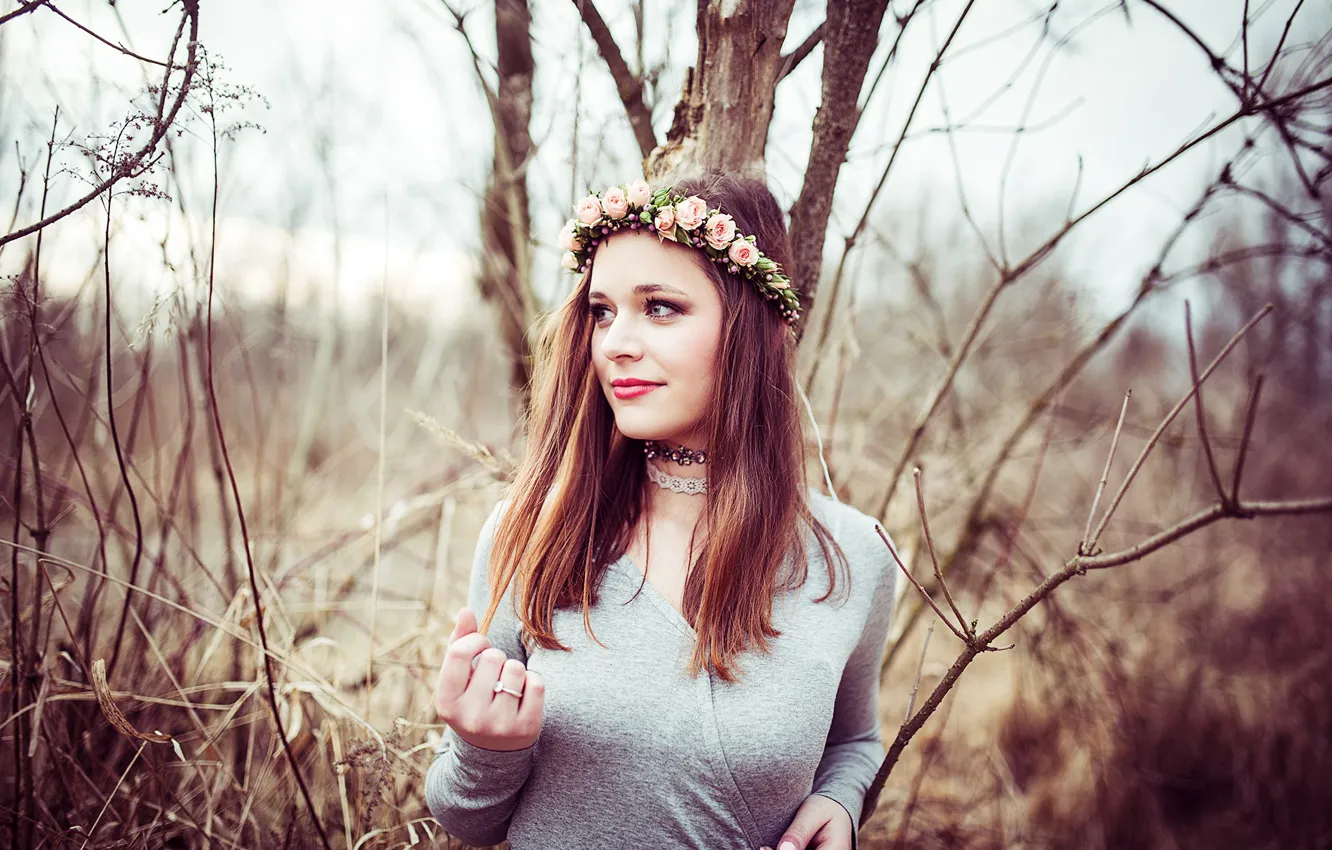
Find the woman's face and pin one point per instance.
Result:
(657, 318)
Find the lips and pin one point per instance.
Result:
(627, 388)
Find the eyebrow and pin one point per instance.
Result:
(641, 289)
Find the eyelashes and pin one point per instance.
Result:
(671, 310)
(657, 302)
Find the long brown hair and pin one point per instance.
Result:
(578, 492)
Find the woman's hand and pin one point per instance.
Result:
(466, 698)
(819, 822)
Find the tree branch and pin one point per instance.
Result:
(1089, 545)
(1086, 559)
(850, 36)
(795, 57)
(629, 86)
(160, 126)
(1074, 567)
(23, 9)
(120, 47)
(1035, 257)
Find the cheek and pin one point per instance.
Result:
(691, 357)
(598, 360)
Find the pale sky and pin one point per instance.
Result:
(386, 91)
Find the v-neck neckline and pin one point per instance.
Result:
(650, 591)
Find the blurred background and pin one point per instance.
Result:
(268, 272)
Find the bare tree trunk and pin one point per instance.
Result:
(505, 217)
(724, 111)
(850, 35)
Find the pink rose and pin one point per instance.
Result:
(719, 231)
(589, 210)
(615, 203)
(742, 253)
(639, 193)
(569, 261)
(569, 240)
(665, 222)
(689, 212)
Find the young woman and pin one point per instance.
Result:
(719, 687)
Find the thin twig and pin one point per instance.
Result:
(17, 657)
(1165, 423)
(912, 579)
(1244, 36)
(1286, 214)
(1245, 510)
(920, 668)
(214, 407)
(121, 462)
(93, 829)
(1250, 414)
(1198, 404)
(934, 559)
(1281, 42)
(1151, 284)
(1105, 473)
(122, 48)
(379, 488)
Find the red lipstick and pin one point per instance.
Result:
(627, 388)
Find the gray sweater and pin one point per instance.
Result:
(634, 753)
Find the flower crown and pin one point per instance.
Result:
(682, 219)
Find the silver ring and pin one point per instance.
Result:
(499, 686)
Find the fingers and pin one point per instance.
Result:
(809, 820)
(534, 699)
(465, 625)
(820, 821)
(526, 709)
(456, 671)
(512, 675)
(465, 694)
(481, 690)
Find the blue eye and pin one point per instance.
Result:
(654, 303)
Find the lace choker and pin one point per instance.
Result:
(676, 483)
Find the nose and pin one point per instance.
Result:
(620, 339)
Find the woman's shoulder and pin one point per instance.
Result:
(846, 522)
(854, 530)
(502, 503)
(497, 509)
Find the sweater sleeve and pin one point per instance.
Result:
(470, 790)
(855, 750)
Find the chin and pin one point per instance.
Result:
(642, 428)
